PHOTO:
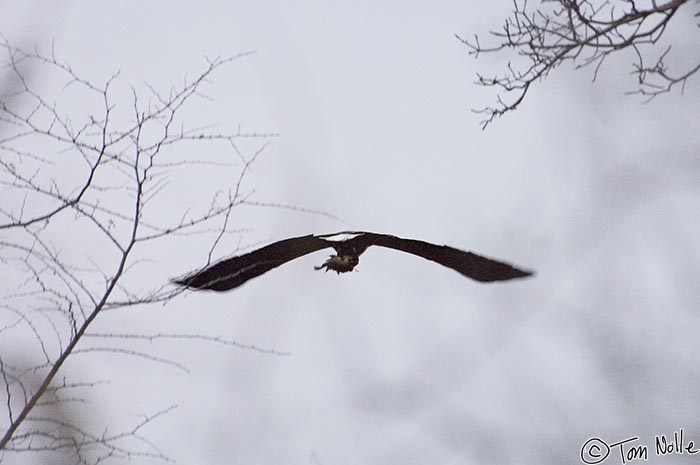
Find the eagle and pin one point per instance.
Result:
(348, 245)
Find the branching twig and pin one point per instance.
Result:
(70, 181)
(586, 32)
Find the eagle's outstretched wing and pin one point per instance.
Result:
(469, 264)
(232, 272)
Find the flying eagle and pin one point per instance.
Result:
(232, 272)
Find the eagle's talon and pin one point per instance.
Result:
(339, 263)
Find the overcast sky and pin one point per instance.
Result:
(404, 361)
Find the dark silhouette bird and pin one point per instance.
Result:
(232, 272)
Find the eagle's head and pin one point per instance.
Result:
(340, 263)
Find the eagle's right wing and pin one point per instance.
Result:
(469, 264)
(232, 272)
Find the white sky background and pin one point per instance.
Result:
(403, 361)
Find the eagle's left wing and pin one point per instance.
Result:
(231, 273)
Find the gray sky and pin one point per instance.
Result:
(404, 361)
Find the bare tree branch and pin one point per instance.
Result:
(585, 32)
(85, 188)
